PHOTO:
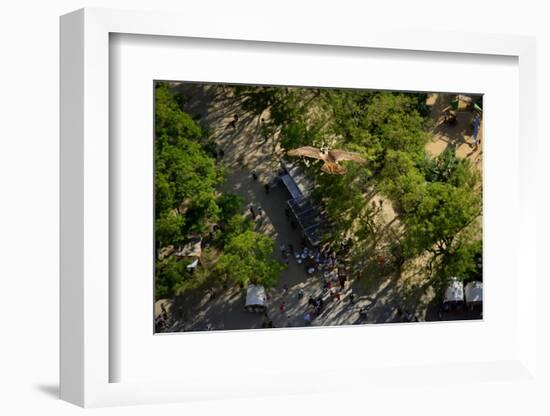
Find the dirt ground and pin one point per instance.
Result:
(458, 135)
(245, 150)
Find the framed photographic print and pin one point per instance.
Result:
(291, 208)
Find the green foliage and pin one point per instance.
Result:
(169, 229)
(230, 205)
(343, 198)
(186, 177)
(171, 277)
(463, 261)
(438, 202)
(402, 182)
(448, 168)
(443, 212)
(248, 258)
(188, 203)
(234, 226)
(437, 198)
(171, 124)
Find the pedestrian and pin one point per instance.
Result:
(282, 308)
(300, 293)
(254, 175)
(260, 212)
(287, 213)
(234, 121)
(285, 289)
(476, 131)
(307, 319)
(252, 212)
(342, 280)
(351, 297)
(266, 188)
(291, 249)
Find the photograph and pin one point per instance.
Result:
(290, 206)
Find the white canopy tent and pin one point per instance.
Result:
(255, 298)
(193, 264)
(473, 292)
(455, 291)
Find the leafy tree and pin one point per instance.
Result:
(402, 182)
(463, 261)
(171, 277)
(186, 177)
(436, 197)
(448, 168)
(169, 229)
(248, 258)
(230, 205)
(441, 215)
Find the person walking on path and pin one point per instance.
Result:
(233, 123)
(283, 250)
(260, 212)
(476, 131)
(285, 289)
(254, 175)
(282, 308)
(287, 213)
(252, 212)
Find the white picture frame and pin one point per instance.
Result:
(85, 264)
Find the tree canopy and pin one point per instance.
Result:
(189, 204)
(248, 258)
(438, 198)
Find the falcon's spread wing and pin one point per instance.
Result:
(307, 151)
(339, 155)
